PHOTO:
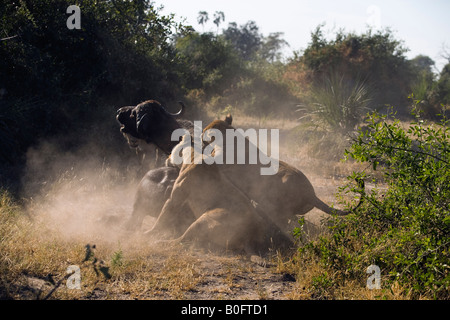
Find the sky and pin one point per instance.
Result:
(423, 26)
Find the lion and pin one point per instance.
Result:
(223, 216)
(283, 195)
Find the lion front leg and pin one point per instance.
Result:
(174, 218)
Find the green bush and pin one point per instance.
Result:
(405, 229)
(375, 56)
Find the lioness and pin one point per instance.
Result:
(222, 214)
(282, 195)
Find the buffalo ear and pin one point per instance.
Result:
(143, 126)
(145, 121)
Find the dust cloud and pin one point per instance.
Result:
(79, 194)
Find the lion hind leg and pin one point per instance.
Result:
(220, 228)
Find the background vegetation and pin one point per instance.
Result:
(405, 229)
(66, 85)
(55, 80)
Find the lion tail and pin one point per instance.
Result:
(319, 204)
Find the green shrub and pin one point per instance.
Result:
(372, 55)
(405, 229)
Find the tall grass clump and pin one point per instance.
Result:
(405, 229)
(338, 102)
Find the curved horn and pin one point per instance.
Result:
(179, 113)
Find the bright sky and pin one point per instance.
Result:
(424, 26)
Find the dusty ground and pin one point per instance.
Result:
(176, 273)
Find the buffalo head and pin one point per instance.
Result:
(151, 122)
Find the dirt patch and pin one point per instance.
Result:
(236, 278)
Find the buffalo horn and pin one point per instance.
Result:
(179, 113)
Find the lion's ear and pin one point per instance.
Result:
(133, 113)
(229, 119)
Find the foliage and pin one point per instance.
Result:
(405, 230)
(376, 57)
(233, 70)
(338, 102)
(260, 97)
(272, 45)
(202, 17)
(246, 39)
(219, 17)
(251, 44)
(425, 77)
(48, 57)
(210, 63)
(54, 80)
(443, 85)
(117, 258)
(425, 87)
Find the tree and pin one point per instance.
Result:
(423, 63)
(443, 85)
(219, 17)
(271, 46)
(227, 71)
(202, 18)
(445, 52)
(423, 83)
(246, 39)
(210, 62)
(59, 80)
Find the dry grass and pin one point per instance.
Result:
(34, 261)
(313, 281)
